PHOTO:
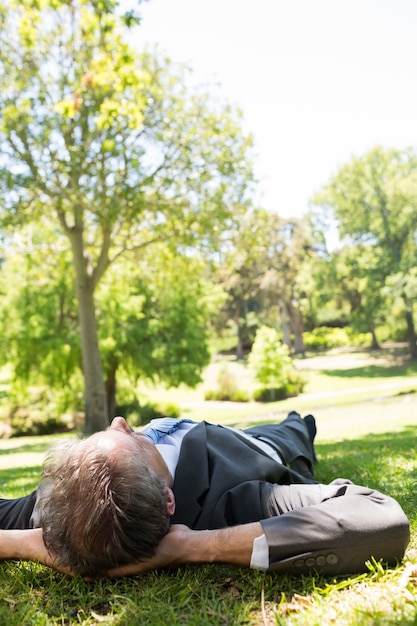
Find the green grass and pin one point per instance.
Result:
(369, 436)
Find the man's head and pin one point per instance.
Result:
(104, 501)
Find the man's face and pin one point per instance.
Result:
(119, 438)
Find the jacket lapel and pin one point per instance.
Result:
(190, 484)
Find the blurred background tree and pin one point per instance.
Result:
(374, 202)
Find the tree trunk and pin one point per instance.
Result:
(285, 322)
(297, 326)
(110, 385)
(96, 415)
(95, 405)
(239, 345)
(411, 334)
(241, 336)
(375, 343)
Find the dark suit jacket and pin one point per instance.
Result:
(222, 479)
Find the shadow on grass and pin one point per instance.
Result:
(373, 371)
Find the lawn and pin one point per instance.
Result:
(367, 431)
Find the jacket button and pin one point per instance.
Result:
(310, 562)
(321, 560)
(332, 559)
(299, 563)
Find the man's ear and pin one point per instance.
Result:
(170, 501)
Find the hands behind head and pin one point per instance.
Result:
(170, 552)
(28, 545)
(34, 549)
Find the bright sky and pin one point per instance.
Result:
(319, 81)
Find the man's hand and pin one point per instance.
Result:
(182, 545)
(170, 552)
(34, 549)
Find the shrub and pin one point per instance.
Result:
(227, 389)
(137, 414)
(24, 421)
(38, 411)
(324, 338)
(273, 367)
(359, 340)
(289, 390)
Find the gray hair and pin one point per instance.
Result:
(99, 509)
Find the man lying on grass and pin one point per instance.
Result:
(121, 503)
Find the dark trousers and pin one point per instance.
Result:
(292, 442)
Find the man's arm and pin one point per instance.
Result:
(333, 529)
(24, 545)
(182, 545)
(27, 545)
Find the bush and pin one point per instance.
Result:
(270, 395)
(227, 390)
(38, 411)
(273, 367)
(24, 421)
(289, 390)
(324, 338)
(137, 414)
(359, 340)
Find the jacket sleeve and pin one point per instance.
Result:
(332, 529)
(16, 513)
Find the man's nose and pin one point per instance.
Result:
(119, 423)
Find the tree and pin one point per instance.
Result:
(239, 273)
(152, 320)
(286, 251)
(260, 272)
(38, 318)
(111, 144)
(356, 287)
(374, 201)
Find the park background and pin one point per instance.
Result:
(151, 265)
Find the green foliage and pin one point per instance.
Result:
(260, 272)
(290, 389)
(152, 322)
(227, 388)
(362, 340)
(138, 414)
(117, 150)
(116, 141)
(324, 338)
(273, 366)
(38, 411)
(24, 422)
(373, 202)
(153, 319)
(372, 198)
